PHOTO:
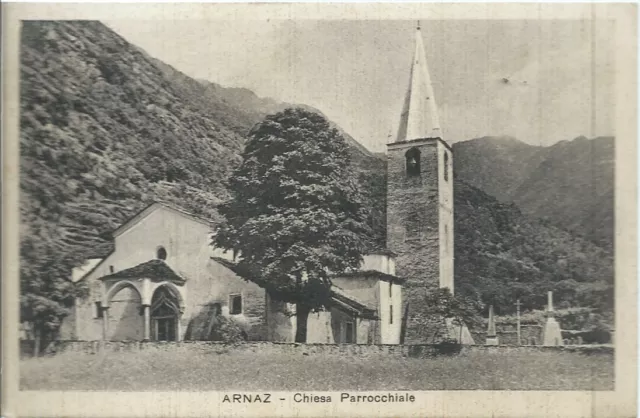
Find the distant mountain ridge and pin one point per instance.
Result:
(259, 107)
(570, 183)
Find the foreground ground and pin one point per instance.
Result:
(173, 370)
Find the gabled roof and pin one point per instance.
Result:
(349, 302)
(373, 273)
(98, 264)
(147, 210)
(156, 270)
(79, 273)
(382, 251)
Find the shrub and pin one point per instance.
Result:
(448, 347)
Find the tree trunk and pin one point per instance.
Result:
(37, 337)
(302, 315)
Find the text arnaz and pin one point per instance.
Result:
(238, 398)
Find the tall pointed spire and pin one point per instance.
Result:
(419, 117)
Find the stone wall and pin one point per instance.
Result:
(508, 335)
(357, 350)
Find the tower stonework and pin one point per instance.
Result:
(420, 228)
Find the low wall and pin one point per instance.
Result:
(356, 350)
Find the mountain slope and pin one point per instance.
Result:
(573, 187)
(570, 183)
(496, 164)
(102, 129)
(105, 128)
(502, 254)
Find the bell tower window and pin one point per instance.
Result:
(446, 166)
(412, 158)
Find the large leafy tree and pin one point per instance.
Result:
(46, 291)
(296, 214)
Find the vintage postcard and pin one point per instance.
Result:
(327, 210)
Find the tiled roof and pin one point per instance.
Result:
(150, 208)
(373, 273)
(156, 270)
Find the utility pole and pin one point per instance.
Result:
(518, 319)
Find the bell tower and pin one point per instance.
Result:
(420, 195)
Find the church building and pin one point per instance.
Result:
(420, 199)
(164, 281)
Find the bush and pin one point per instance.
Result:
(448, 347)
(228, 331)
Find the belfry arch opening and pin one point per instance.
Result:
(165, 314)
(446, 166)
(412, 162)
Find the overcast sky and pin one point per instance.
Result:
(560, 73)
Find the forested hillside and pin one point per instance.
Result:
(570, 183)
(502, 254)
(103, 132)
(105, 129)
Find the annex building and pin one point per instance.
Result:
(164, 281)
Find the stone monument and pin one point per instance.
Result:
(492, 336)
(552, 334)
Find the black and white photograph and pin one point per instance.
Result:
(348, 210)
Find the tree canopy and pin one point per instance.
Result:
(296, 213)
(46, 291)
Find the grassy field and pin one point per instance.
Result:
(185, 371)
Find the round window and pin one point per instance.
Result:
(161, 254)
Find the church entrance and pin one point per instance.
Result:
(165, 313)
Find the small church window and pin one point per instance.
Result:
(413, 162)
(235, 304)
(97, 310)
(390, 287)
(391, 314)
(413, 226)
(161, 253)
(446, 166)
(349, 334)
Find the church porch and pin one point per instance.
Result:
(145, 302)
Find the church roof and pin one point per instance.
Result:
(156, 270)
(144, 212)
(419, 117)
(344, 300)
(79, 273)
(374, 273)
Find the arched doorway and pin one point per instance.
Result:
(165, 314)
(124, 315)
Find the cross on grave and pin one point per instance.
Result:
(518, 319)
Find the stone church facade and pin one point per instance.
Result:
(164, 280)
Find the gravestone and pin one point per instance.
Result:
(552, 333)
(492, 337)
